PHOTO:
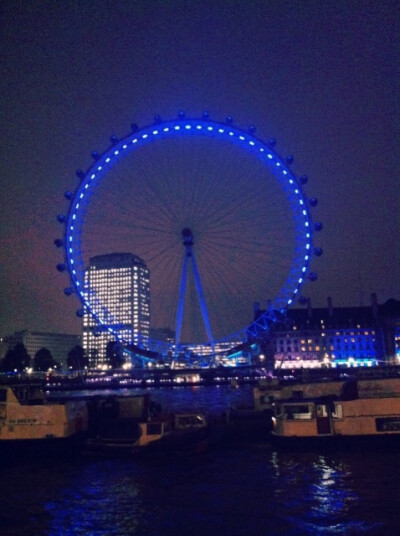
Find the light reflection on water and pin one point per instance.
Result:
(103, 499)
(246, 489)
(316, 496)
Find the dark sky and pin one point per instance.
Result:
(321, 77)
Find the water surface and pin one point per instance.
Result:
(241, 489)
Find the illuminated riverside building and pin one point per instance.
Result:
(58, 344)
(397, 344)
(220, 347)
(121, 283)
(326, 347)
(336, 337)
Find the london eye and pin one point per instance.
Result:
(220, 219)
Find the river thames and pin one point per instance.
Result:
(245, 488)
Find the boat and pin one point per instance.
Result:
(135, 423)
(29, 422)
(255, 421)
(267, 392)
(188, 431)
(125, 436)
(332, 420)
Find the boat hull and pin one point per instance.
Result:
(32, 449)
(336, 442)
(186, 432)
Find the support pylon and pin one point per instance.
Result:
(188, 242)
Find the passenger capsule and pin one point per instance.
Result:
(318, 252)
(68, 291)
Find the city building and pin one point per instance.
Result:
(119, 288)
(58, 344)
(336, 336)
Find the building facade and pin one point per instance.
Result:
(59, 344)
(336, 337)
(118, 286)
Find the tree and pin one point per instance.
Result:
(17, 359)
(43, 360)
(114, 354)
(7, 362)
(77, 359)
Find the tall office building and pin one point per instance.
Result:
(119, 287)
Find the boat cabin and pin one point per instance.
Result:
(330, 417)
(26, 415)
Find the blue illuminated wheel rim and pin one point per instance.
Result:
(178, 128)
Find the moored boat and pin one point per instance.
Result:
(188, 431)
(269, 391)
(343, 419)
(29, 422)
(136, 424)
(250, 422)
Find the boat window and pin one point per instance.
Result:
(189, 421)
(322, 410)
(3, 395)
(387, 424)
(266, 399)
(337, 413)
(297, 411)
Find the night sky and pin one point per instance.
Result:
(320, 77)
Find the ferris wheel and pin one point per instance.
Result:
(194, 193)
